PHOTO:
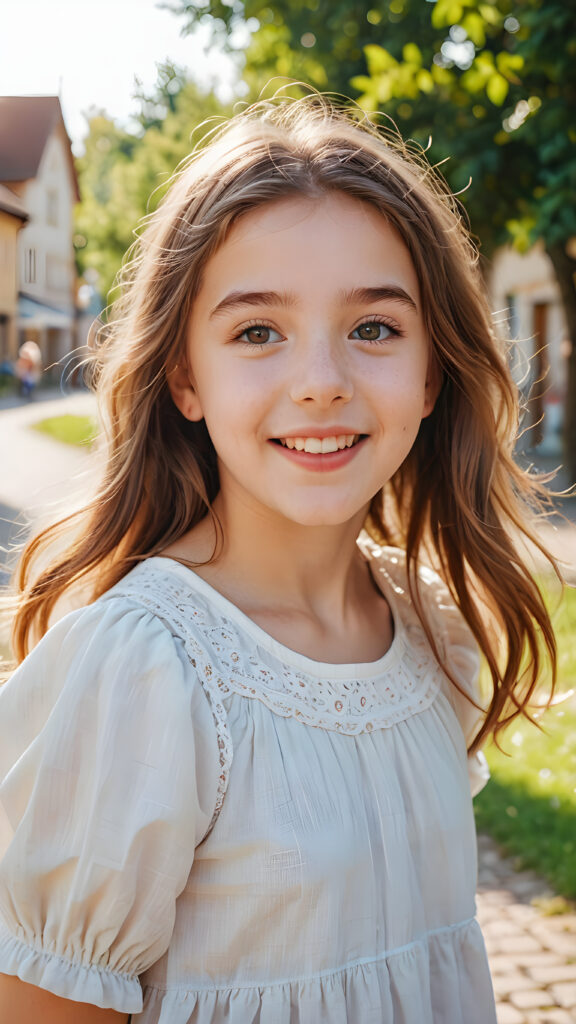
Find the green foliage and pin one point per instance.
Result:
(529, 805)
(123, 174)
(103, 217)
(506, 110)
(492, 82)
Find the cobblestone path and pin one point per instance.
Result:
(532, 953)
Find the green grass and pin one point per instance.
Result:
(78, 430)
(529, 806)
(7, 387)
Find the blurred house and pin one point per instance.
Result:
(526, 296)
(13, 216)
(37, 167)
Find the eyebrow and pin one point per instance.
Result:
(235, 300)
(357, 296)
(383, 293)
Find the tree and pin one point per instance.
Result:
(512, 132)
(492, 82)
(103, 218)
(123, 174)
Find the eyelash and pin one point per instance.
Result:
(250, 327)
(382, 321)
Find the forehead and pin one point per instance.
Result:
(310, 242)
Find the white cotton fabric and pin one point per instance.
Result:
(205, 827)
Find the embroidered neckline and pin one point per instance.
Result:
(228, 660)
(230, 613)
(401, 684)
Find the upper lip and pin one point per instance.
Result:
(320, 432)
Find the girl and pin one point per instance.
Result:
(235, 784)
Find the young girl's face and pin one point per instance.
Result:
(308, 359)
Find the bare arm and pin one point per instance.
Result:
(27, 1004)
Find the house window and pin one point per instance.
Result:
(52, 207)
(30, 266)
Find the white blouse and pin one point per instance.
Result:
(204, 827)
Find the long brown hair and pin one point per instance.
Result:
(459, 495)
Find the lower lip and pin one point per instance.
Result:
(323, 462)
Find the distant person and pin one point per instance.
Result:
(238, 782)
(28, 368)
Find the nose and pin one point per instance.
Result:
(321, 374)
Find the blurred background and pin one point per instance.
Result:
(99, 102)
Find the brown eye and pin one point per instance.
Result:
(372, 330)
(259, 334)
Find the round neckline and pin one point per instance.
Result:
(309, 666)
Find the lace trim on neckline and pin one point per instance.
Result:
(224, 609)
(226, 664)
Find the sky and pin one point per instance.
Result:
(89, 52)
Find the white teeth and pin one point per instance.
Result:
(330, 444)
(318, 446)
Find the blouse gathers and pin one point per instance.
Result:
(202, 825)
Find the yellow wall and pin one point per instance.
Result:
(9, 227)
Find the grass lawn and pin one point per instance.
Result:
(529, 806)
(80, 430)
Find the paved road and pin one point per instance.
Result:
(532, 955)
(532, 951)
(38, 476)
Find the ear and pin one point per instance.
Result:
(434, 381)
(184, 393)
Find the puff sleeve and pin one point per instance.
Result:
(109, 767)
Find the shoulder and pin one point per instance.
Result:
(389, 567)
(122, 662)
(113, 659)
(456, 643)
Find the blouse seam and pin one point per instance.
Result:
(361, 962)
(77, 964)
(165, 615)
(281, 705)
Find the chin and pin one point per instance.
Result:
(321, 517)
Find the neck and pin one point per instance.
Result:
(284, 564)
(307, 586)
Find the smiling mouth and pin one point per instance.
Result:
(319, 445)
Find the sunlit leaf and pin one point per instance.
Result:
(411, 54)
(474, 26)
(425, 81)
(446, 12)
(508, 64)
(378, 59)
(497, 89)
(491, 15)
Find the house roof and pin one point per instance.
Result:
(26, 122)
(10, 203)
